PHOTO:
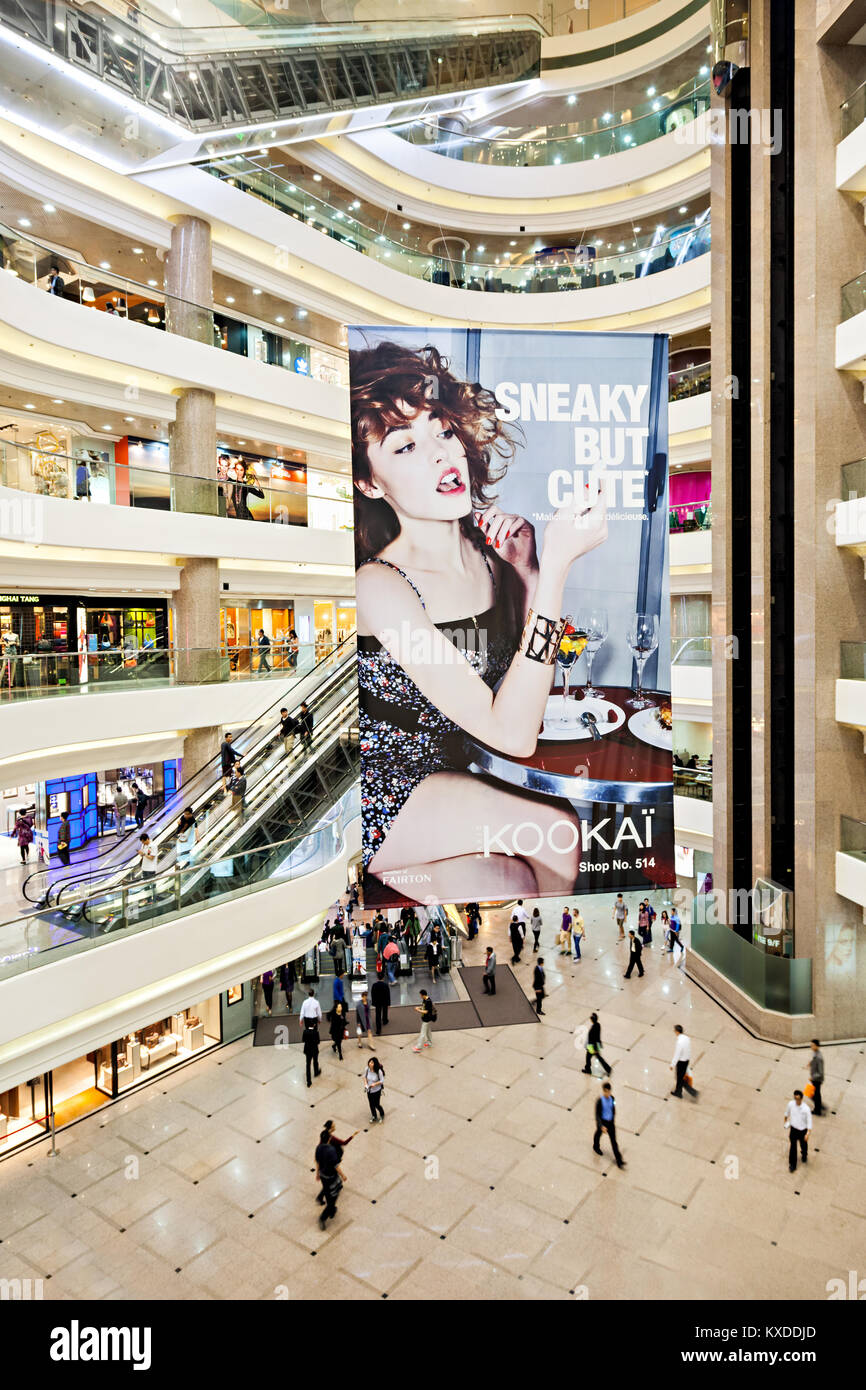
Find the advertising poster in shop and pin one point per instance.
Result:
(511, 532)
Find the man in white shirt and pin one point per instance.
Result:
(680, 1063)
(798, 1122)
(521, 914)
(312, 1009)
(148, 854)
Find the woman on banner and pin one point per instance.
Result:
(428, 450)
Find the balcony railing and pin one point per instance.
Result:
(852, 665)
(240, 495)
(853, 110)
(694, 782)
(689, 381)
(524, 271)
(780, 983)
(853, 480)
(853, 838)
(854, 297)
(690, 516)
(99, 288)
(610, 133)
(692, 651)
(40, 675)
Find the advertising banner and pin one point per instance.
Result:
(511, 532)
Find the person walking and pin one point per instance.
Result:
(521, 914)
(338, 989)
(434, 952)
(374, 1084)
(673, 932)
(268, 990)
(593, 1046)
(620, 913)
(228, 757)
(288, 729)
(140, 803)
(121, 801)
(380, 996)
(338, 950)
(264, 646)
(428, 1016)
(311, 1009)
(488, 979)
(337, 1026)
(24, 834)
(665, 925)
(538, 978)
(310, 1042)
(363, 1020)
(328, 1173)
(305, 724)
(798, 1122)
(605, 1123)
(816, 1075)
(535, 927)
(643, 923)
(339, 1145)
(287, 983)
(64, 838)
(391, 957)
(578, 932)
(680, 1063)
(565, 932)
(651, 914)
(635, 951)
(516, 940)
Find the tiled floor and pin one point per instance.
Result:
(482, 1182)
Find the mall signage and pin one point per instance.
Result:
(510, 493)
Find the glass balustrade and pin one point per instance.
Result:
(689, 381)
(555, 268)
(694, 782)
(37, 675)
(99, 288)
(853, 838)
(853, 111)
(239, 495)
(114, 913)
(782, 983)
(852, 664)
(854, 297)
(686, 517)
(853, 480)
(693, 651)
(610, 133)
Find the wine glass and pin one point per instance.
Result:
(594, 623)
(570, 648)
(642, 638)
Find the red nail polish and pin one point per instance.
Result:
(497, 545)
(487, 539)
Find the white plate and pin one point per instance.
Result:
(572, 729)
(644, 725)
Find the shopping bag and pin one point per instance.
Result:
(809, 1090)
(595, 1066)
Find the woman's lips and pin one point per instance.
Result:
(451, 481)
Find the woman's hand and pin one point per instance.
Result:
(575, 530)
(513, 536)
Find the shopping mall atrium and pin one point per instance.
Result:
(255, 255)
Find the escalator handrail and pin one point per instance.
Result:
(201, 779)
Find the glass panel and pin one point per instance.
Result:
(854, 297)
(853, 111)
(854, 480)
(775, 982)
(853, 837)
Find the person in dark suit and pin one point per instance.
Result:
(311, 1049)
(380, 997)
(516, 940)
(538, 985)
(593, 1046)
(605, 1123)
(635, 951)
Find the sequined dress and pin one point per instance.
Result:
(404, 737)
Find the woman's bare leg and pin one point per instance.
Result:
(455, 815)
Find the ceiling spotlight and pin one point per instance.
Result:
(512, 243)
(650, 91)
(130, 419)
(479, 249)
(30, 406)
(355, 205)
(406, 226)
(55, 400)
(557, 159)
(317, 178)
(280, 318)
(138, 250)
(571, 100)
(704, 71)
(230, 299)
(105, 265)
(24, 222)
(302, 313)
(256, 291)
(636, 229)
(106, 427)
(608, 116)
(683, 208)
(151, 283)
(48, 207)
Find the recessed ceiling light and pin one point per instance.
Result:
(130, 419)
(636, 229)
(355, 205)
(55, 400)
(570, 101)
(302, 313)
(29, 406)
(657, 106)
(659, 229)
(280, 319)
(512, 243)
(230, 299)
(48, 207)
(256, 291)
(704, 71)
(106, 427)
(481, 248)
(620, 248)
(24, 222)
(608, 116)
(138, 250)
(406, 226)
(242, 441)
(595, 156)
(683, 208)
(317, 178)
(105, 265)
(650, 91)
(151, 283)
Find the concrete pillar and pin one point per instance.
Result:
(199, 746)
(189, 280)
(193, 452)
(197, 624)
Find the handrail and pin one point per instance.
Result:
(656, 251)
(592, 139)
(184, 317)
(702, 645)
(39, 883)
(184, 492)
(147, 903)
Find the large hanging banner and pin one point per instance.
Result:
(511, 530)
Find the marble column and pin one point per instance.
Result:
(199, 746)
(197, 624)
(189, 280)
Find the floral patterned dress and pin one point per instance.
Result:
(404, 737)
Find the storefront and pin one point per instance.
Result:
(89, 799)
(58, 639)
(54, 460)
(240, 625)
(329, 501)
(78, 1088)
(253, 487)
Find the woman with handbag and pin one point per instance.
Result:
(374, 1084)
(593, 1047)
(337, 1027)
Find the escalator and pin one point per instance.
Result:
(282, 792)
